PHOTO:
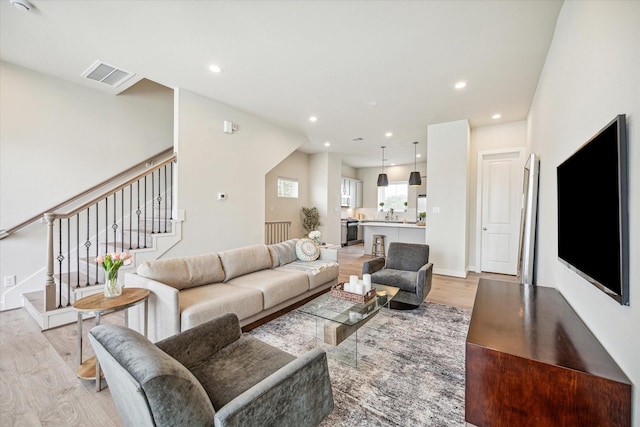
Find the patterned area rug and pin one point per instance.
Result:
(410, 366)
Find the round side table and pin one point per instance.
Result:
(98, 304)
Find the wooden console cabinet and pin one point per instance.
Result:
(531, 361)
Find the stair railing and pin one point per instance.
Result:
(276, 231)
(116, 220)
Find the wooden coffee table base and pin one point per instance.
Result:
(87, 371)
(98, 304)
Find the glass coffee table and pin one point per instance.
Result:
(338, 320)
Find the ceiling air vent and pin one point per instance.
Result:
(357, 139)
(107, 74)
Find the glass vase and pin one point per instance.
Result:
(112, 286)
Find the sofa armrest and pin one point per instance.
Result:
(423, 284)
(373, 265)
(298, 394)
(197, 344)
(327, 254)
(164, 309)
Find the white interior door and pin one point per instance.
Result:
(501, 203)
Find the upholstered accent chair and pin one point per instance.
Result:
(406, 267)
(211, 375)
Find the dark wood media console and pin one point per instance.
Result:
(531, 361)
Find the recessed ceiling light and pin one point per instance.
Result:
(418, 155)
(496, 116)
(327, 144)
(392, 164)
(313, 119)
(373, 103)
(388, 134)
(215, 68)
(460, 85)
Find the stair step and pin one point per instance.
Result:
(34, 304)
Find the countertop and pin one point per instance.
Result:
(390, 224)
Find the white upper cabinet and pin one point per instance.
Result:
(351, 193)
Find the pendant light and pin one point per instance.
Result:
(414, 178)
(383, 181)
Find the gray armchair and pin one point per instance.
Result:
(406, 267)
(211, 375)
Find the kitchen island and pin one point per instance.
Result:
(393, 232)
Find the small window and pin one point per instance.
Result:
(393, 196)
(287, 187)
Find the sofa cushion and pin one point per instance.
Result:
(286, 252)
(275, 261)
(319, 272)
(237, 262)
(201, 304)
(276, 285)
(405, 280)
(238, 367)
(185, 272)
(173, 394)
(407, 256)
(307, 250)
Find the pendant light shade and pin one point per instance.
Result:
(414, 178)
(383, 181)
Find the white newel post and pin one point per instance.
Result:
(50, 284)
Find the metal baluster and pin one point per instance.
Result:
(87, 244)
(159, 199)
(138, 212)
(97, 241)
(78, 249)
(106, 224)
(122, 219)
(68, 261)
(165, 198)
(115, 224)
(171, 170)
(153, 205)
(145, 211)
(60, 259)
(130, 214)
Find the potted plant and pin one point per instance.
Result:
(310, 219)
(381, 206)
(421, 217)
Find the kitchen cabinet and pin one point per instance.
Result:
(393, 232)
(351, 193)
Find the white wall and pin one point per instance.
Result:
(592, 73)
(295, 166)
(447, 189)
(58, 139)
(211, 162)
(325, 174)
(486, 138)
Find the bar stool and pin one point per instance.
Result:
(377, 246)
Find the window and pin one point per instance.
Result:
(287, 187)
(394, 196)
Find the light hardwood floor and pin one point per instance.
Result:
(38, 383)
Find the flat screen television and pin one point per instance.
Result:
(593, 221)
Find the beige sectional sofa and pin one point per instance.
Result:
(252, 282)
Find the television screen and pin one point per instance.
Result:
(593, 234)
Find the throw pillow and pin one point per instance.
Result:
(307, 250)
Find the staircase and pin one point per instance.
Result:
(134, 214)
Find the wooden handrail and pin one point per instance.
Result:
(9, 231)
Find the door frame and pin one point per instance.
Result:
(479, 181)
